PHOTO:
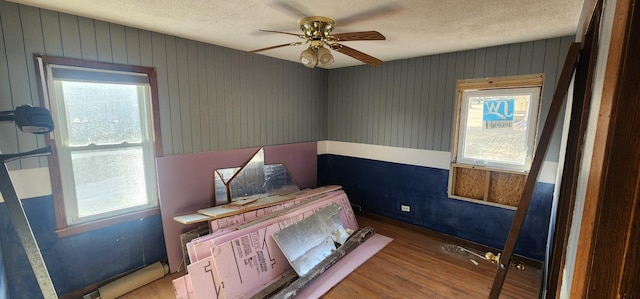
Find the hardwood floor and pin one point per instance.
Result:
(414, 265)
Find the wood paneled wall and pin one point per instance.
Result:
(211, 98)
(409, 103)
(215, 98)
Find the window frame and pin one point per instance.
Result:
(63, 228)
(486, 175)
(532, 122)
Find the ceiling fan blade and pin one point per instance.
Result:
(274, 31)
(274, 47)
(368, 59)
(362, 35)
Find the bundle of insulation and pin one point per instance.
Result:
(240, 258)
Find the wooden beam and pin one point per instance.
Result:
(558, 98)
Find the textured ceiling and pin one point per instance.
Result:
(413, 28)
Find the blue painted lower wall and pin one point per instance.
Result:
(378, 187)
(78, 260)
(381, 187)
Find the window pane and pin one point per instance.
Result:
(101, 113)
(496, 129)
(109, 180)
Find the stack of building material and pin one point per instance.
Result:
(240, 257)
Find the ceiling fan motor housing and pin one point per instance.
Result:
(316, 28)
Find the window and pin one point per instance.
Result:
(104, 140)
(495, 127)
(495, 131)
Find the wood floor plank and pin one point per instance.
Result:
(414, 265)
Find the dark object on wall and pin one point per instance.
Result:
(35, 120)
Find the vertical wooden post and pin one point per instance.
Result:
(561, 217)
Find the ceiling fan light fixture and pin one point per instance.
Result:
(324, 56)
(317, 34)
(308, 58)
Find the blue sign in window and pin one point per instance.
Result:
(498, 113)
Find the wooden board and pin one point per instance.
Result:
(506, 188)
(192, 218)
(250, 204)
(484, 185)
(220, 211)
(470, 183)
(233, 209)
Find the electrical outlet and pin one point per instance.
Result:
(405, 208)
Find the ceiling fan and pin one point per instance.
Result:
(317, 33)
